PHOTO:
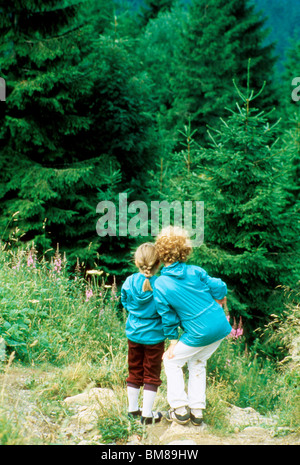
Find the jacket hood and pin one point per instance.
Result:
(176, 269)
(136, 287)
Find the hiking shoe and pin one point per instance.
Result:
(135, 414)
(182, 419)
(157, 416)
(197, 421)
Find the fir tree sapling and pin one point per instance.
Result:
(252, 232)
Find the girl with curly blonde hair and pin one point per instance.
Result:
(187, 296)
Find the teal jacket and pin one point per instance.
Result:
(188, 293)
(143, 324)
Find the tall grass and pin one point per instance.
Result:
(49, 316)
(74, 322)
(253, 379)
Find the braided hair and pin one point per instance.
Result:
(147, 262)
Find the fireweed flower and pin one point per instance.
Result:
(88, 294)
(237, 330)
(57, 265)
(30, 261)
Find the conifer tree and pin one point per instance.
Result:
(251, 235)
(73, 118)
(290, 79)
(157, 50)
(291, 147)
(290, 109)
(252, 231)
(219, 39)
(151, 9)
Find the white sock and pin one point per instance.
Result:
(197, 412)
(181, 410)
(133, 398)
(148, 401)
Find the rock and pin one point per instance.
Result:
(178, 433)
(134, 440)
(254, 430)
(87, 417)
(243, 417)
(184, 442)
(88, 406)
(95, 395)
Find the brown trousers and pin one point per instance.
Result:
(144, 364)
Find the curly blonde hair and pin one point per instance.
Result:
(173, 245)
(146, 260)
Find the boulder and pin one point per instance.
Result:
(93, 395)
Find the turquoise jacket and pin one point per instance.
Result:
(187, 292)
(143, 324)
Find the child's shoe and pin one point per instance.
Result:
(135, 414)
(156, 417)
(182, 418)
(196, 417)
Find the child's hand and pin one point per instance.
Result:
(169, 353)
(222, 302)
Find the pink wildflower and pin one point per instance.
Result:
(57, 261)
(237, 330)
(30, 261)
(57, 265)
(88, 294)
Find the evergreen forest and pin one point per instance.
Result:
(164, 100)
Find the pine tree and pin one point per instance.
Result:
(252, 232)
(151, 9)
(219, 39)
(251, 235)
(157, 50)
(290, 81)
(41, 48)
(73, 117)
(290, 109)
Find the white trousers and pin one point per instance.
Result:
(196, 358)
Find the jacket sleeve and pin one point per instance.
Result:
(169, 317)
(124, 290)
(217, 287)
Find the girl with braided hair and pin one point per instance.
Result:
(145, 334)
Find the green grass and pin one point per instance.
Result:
(46, 319)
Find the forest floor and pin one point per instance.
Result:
(75, 422)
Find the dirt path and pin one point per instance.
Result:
(41, 423)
